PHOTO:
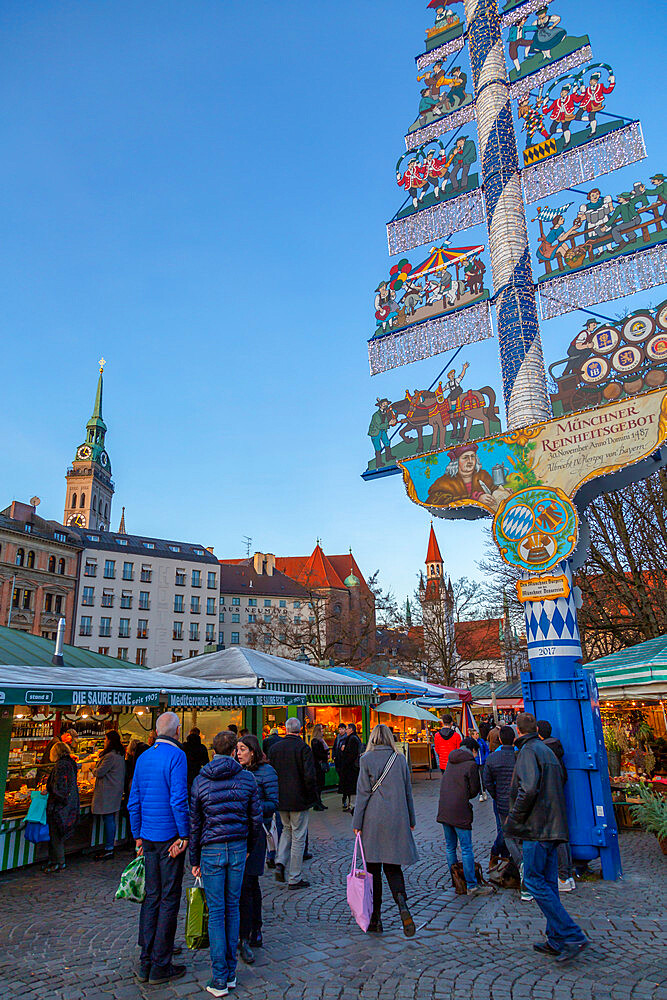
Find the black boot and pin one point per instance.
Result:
(406, 916)
(256, 939)
(245, 951)
(375, 926)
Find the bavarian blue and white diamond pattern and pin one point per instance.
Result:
(517, 522)
(549, 621)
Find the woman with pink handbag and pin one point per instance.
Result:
(384, 815)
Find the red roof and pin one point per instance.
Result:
(433, 554)
(479, 640)
(319, 570)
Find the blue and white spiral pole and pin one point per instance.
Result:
(557, 687)
(522, 364)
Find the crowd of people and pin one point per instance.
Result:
(247, 809)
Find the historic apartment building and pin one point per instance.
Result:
(150, 601)
(38, 571)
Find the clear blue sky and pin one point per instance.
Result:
(198, 191)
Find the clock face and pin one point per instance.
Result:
(84, 452)
(78, 520)
(104, 458)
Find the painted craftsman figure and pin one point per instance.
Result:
(660, 190)
(454, 391)
(463, 154)
(591, 99)
(581, 349)
(628, 215)
(597, 211)
(383, 418)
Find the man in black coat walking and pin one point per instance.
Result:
(537, 816)
(293, 761)
(349, 767)
(498, 772)
(566, 881)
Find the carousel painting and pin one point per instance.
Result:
(454, 413)
(608, 361)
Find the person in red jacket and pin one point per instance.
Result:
(446, 740)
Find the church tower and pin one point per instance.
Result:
(434, 569)
(89, 486)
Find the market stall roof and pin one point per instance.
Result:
(22, 648)
(250, 668)
(407, 710)
(508, 695)
(405, 685)
(640, 670)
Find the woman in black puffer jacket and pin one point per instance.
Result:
(62, 805)
(251, 758)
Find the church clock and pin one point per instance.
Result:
(84, 452)
(77, 520)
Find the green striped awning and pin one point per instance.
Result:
(640, 670)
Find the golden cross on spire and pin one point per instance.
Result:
(101, 363)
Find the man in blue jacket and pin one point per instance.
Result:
(226, 817)
(158, 808)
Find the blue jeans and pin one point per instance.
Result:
(540, 875)
(454, 835)
(109, 831)
(499, 849)
(222, 867)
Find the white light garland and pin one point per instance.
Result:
(440, 126)
(551, 71)
(583, 163)
(425, 340)
(523, 10)
(613, 279)
(441, 52)
(440, 220)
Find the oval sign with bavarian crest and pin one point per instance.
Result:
(536, 528)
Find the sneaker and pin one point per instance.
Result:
(302, 884)
(571, 951)
(167, 974)
(572, 884)
(566, 885)
(480, 890)
(526, 896)
(231, 983)
(142, 971)
(217, 988)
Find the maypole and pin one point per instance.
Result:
(610, 409)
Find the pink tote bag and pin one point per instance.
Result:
(360, 888)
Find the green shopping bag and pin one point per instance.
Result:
(133, 881)
(196, 918)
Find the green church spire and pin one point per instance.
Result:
(92, 449)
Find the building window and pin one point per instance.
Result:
(267, 602)
(267, 640)
(196, 578)
(252, 602)
(194, 631)
(267, 618)
(93, 538)
(236, 619)
(236, 601)
(235, 638)
(126, 599)
(88, 598)
(105, 626)
(210, 605)
(142, 628)
(122, 652)
(178, 631)
(52, 564)
(195, 605)
(124, 628)
(471, 679)
(193, 653)
(128, 571)
(73, 499)
(282, 637)
(107, 598)
(60, 536)
(149, 545)
(82, 501)
(110, 569)
(140, 659)
(144, 600)
(20, 557)
(146, 573)
(198, 552)
(121, 541)
(57, 604)
(103, 650)
(31, 560)
(91, 568)
(210, 633)
(48, 603)
(297, 604)
(212, 581)
(282, 604)
(221, 617)
(174, 548)
(61, 567)
(26, 599)
(16, 598)
(251, 619)
(178, 604)
(95, 504)
(177, 656)
(86, 625)
(180, 577)
(221, 638)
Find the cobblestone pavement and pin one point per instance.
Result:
(65, 938)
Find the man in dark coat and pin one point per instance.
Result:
(566, 881)
(294, 764)
(498, 772)
(196, 754)
(538, 817)
(349, 767)
(459, 784)
(270, 741)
